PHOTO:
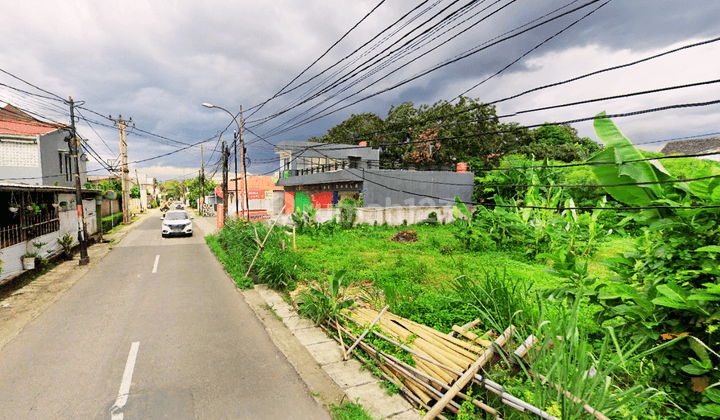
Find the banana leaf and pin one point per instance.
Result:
(619, 149)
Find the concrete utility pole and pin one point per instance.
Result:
(242, 162)
(122, 125)
(137, 178)
(74, 144)
(237, 197)
(226, 155)
(242, 146)
(202, 178)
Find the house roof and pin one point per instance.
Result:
(17, 123)
(689, 147)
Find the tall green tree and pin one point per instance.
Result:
(559, 142)
(173, 188)
(194, 188)
(437, 134)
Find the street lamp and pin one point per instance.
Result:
(242, 148)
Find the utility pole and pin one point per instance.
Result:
(122, 125)
(242, 162)
(237, 197)
(202, 177)
(137, 178)
(74, 144)
(225, 154)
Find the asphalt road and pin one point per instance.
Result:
(129, 343)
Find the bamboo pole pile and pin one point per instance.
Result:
(444, 364)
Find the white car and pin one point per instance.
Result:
(177, 222)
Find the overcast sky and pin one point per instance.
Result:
(158, 61)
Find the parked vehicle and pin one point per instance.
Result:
(177, 223)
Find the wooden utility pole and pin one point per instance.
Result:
(122, 125)
(74, 144)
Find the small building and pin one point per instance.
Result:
(35, 152)
(33, 215)
(266, 198)
(322, 174)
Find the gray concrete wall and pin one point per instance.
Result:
(393, 216)
(21, 175)
(387, 188)
(50, 146)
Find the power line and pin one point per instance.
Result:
(318, 59)
(30, 84)
(459, 57)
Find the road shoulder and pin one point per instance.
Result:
(24, 305)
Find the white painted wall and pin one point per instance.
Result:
(394, 216)
(10, 256)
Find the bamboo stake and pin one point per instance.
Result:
(458, 351)
(294, 244)
(367, 330)
(467, 376)
(486, 383)
(471, 336)
(262, 245)
(403, 390)
(467, 326)
(342, 343)
(408, 371)
(446, 337)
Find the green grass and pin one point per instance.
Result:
(435, 259)
(350, 411)
(232, 266)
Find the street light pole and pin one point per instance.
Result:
(242, 148)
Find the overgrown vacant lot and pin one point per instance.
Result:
(434, 259)
(620, 283)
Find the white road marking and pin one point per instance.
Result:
(125, 384)
(157, 260)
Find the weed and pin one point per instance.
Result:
(350, 411)
(323, 301)
(269, 308)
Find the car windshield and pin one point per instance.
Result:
(176, 216)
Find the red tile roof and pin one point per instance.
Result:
(15, 122)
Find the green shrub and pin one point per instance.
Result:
(113, 220)
(274, 266)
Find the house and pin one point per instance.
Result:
(692, 147)
(34, 152)
(265, 199)
(321, 175)
(33, 215)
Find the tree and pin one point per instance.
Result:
(438, 134)
(173, 188)
(559, 142)
(135, 191)
(357, 128)
(194, 188)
